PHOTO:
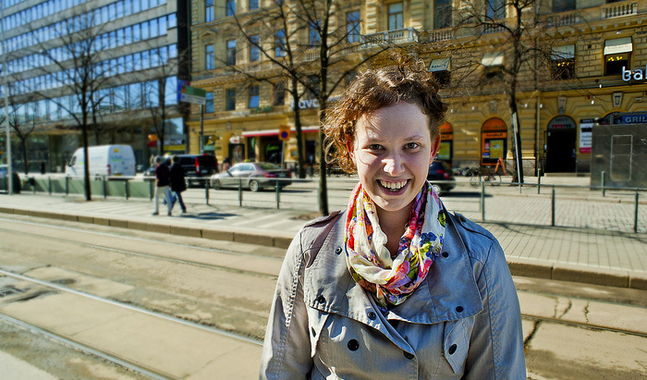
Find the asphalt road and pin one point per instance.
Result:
(189, 308)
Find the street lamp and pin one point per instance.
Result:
(6, 101)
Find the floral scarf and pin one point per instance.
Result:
(392, 280)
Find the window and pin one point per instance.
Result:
(230, 100)
(208, 107)
(208, 11)
(254, 97)
(231, 53)
(154, 28)
(231, 7)
(495, 9)
(563, 5)
(313, 87)
(279, 44)
(442, 14)
(352, 26)
(617, 54)
(210, 59)
(313, 36)
(395, 16)
(563, 62)
(254, 51)
(279, 94)
(253, 5)
(146, 32)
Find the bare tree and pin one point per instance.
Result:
(22, 121)
(75, 63)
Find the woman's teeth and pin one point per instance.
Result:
(394, 186)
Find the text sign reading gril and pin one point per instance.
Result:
(637, 74)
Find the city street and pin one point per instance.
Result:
(170, 307)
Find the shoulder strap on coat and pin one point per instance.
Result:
(325, 225)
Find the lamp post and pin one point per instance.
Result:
(6, 101)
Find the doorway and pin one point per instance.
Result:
(560, 145)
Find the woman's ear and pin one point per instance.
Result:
(435, 145)
(351, 150)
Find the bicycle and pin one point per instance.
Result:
(484, 175)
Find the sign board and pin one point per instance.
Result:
(284, 132)
(586, 131)
(190, 94)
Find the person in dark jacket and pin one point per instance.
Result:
(162, 181)
(178, 183)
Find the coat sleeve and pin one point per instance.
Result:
(496, 349)
(286, 350)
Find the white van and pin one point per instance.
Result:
(105, 160)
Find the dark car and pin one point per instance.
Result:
(252, 175)
(196, 166)
(441, 177)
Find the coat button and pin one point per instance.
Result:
(408, 355)
(459, 309)
(321, 299)
(338, 250)
(353, 345)
(314, 333)
(445, 254)
(461, 218)
(452, 349)
(371, 315)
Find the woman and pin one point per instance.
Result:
(395, 287)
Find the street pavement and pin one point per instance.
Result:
(577, 249)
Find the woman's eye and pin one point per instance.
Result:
(411, 145)
(374, 147)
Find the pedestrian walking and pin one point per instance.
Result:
(178, 182)
(162, 182)
(394, 287)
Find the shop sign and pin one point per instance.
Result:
(311, 103)
(634, 119)
(637, 74)
(586, 131)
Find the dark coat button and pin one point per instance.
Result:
(338, 250)
(321, 299)
(371, 315)
(452, 349)
(459, 309)
(445, 254)
(314, 333)
(461, 218)
(353, 345)
(408, 355)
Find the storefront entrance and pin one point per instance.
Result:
(446, 148)
(494, 141)
(560, 145)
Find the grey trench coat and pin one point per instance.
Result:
(463, 321)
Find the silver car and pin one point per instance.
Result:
(252, 175)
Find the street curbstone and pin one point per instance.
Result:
(86, 219)
(18, 211)
(186, 231)
(241, 237)
(67, 217)
(282, 242)
(605, 277)
(142, 226)
(161, 228)
(7, 210)
(217, 235)
(41, 214)
(638, 280)
(121, 223)
(101, 221)
(529, 268)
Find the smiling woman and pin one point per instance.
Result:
(397, 287)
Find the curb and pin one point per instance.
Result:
(518, 266)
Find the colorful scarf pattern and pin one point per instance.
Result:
(391, 280)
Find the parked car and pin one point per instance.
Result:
(196, 166)
(441, 171)
(252, 175)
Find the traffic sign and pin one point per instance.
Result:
(190, 94)
(284, 132)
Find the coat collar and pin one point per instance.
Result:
(449, 292)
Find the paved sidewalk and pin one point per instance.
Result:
(585, 255)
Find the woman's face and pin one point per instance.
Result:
(393, 150)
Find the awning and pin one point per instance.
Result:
(492, 59)
(618, 45)
(275, 132)
(563, 52)
(440, 64)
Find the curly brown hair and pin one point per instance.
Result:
(407, 82)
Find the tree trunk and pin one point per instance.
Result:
(86, 163)
(294, 90)
(23, 142)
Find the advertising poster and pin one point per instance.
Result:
(586, 130)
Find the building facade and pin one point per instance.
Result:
(117, 60)
(575, 62)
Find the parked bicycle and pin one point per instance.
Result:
(484, 175)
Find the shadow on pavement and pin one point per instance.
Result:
(207, 216)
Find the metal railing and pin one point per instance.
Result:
(393, 36)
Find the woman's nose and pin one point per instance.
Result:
(393, 165)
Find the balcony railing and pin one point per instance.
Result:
(619, 10)
(441, 35)
(489, 29)
(564, 19)
(395, 36)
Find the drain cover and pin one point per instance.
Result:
(64, 281)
